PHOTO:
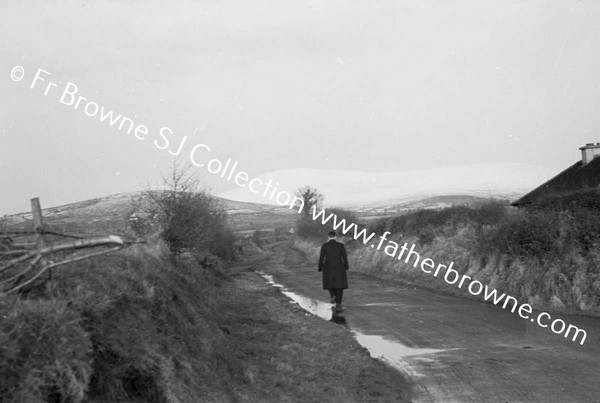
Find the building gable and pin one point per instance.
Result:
(584, 174)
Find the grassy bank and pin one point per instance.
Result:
(131, 325)
(547, 255)
(137, 326)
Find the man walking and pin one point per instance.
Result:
(333, 262)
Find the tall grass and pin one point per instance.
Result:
(127, 326)
(547, 254)
(44, 351)
(140, 324)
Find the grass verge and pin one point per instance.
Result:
(137, 326)
(547, 255)
(292, 356)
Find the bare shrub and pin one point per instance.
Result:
(187, 216)
(306, 227)
(311, 197)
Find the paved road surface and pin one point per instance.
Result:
(487, 354)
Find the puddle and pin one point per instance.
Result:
(269, 279)
(318, 308)
(392, 352)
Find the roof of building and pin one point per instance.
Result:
(577, 177)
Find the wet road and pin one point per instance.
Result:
(456, 350)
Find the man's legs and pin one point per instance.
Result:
(332, 295)
(339, 293)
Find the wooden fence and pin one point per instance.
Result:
(26, 255)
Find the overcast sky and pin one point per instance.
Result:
(351, 85)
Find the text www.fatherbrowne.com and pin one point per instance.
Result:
(70, 97)
(408, 254)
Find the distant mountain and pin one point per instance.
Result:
(363, 190)
(435, 202)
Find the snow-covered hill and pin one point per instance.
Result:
(361, 189)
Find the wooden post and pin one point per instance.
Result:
(38, 227)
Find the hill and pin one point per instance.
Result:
(110, 214)
(360, 190)
(435, 202)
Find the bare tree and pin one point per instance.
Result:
(188, 217)
(305, 225)
(311, 197)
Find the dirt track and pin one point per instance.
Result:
(488, 354)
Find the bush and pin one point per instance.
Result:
(553, 226)
(523, 234)
(575, 202)
(583, 229)
(188, 218)
(306, 227)
(579, 215)
(426, 225)
(222, 243)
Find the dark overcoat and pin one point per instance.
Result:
(333, 262)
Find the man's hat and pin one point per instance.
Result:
(332, 234)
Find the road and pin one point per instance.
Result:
(457, 350)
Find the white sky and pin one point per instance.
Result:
(352, 85)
